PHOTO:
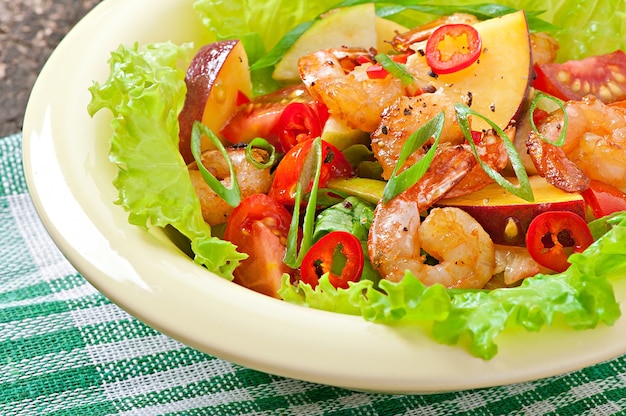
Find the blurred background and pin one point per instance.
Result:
(29, 32)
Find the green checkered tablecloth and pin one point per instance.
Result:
(67, 350)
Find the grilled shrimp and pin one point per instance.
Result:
(397, 236)
(408, 114)
(251, 180)
(594, 148)
(405, 116)
(336, 78)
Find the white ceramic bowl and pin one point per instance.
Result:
(69, 175)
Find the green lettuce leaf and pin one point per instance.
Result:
(145, 92)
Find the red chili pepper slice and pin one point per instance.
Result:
(453, 47)
(604, 199)
(376, 71)
(338, 253)
(552, 236)
(241, 99)
(299, 122)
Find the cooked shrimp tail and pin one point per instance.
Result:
(594, 147)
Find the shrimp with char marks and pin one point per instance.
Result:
(397, 236)
(250, 178)
(402, 118)
(408, 114)
(594, 147)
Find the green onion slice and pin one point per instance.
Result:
(310, 171)
(523, 189)
(261, 143)
(398, 183)
(397, 70)
(231, 195)
(533, 106)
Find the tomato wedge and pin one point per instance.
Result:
(258, 226)
(284, 116)
(552, 236)
(453, 47)
(339, 254)
(604, 199)
(603, 76)
(287, 173)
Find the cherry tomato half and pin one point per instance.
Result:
(603, 76)
(287, 173)
(604, 199)
(258, 226)
(338, 253)
(552, 236)
(299, 122)
(453, 47)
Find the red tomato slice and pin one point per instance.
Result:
(299, 122)
(338, 253)
(552, 236)
(287, 173)
(258, 226)
(253, 120)
(603, 76)
(259, 117)
(604, 199)
(465, 48)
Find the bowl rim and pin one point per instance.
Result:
(143, 272)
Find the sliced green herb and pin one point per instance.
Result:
(523, 189)
(398, 183)
(394, 68)
(231, 195)
(310, 172)
(263, 144)
(283, 45)
(533, 106)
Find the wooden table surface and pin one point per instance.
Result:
(29, 32)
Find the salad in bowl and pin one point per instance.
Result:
(454, 166)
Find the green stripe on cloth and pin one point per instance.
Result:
(67, 350)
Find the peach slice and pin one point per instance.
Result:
(216, 78)
(497, 83)
(506, 217)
